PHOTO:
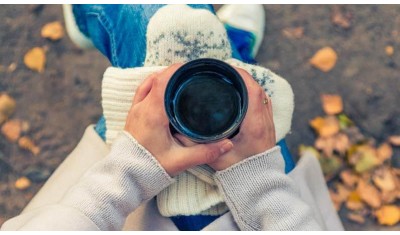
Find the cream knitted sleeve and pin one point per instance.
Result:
(261, 196)
(105, 195)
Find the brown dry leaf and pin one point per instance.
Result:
(348, 178)
(384, 152)
(384, 179)
(389, 196)
(12, 130)
(53, 31)
(7, 107)
(332, 104)
(324, 59)
(293, 32)
(22, 183)
(356, 218)
(12, 67)
(394, 140)
(355, 206)
(27, 143)
(35, 59)
(369, 194)
(325, 127)
(389, 50)
(341, 18)
(326, 145)
(388, 215)
(342, 143)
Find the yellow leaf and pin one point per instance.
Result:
(324, 59)
(367, 158)
(53, 31)
(388, 215)
(332, 104)
(22, 183)
(12, 130)
(389, 50)
(7, 107)
(35, 59)
(325, 127)
(26, 143)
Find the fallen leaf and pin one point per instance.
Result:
(12, 67)
(12, 130)
(7, 107)
(342, 143)
(355, 206)
(337, 203)
(354, 134)
(356, 218)
(348, 178)
(324, 59)
(325, 127)
(344, 121)
(389, 196)
(369, 194)
(384, 152)
(364, 158)
(388, 215)
(53, 31)
(35, 59)
(293, 32)
(22, 183)
(332, 104)
(384, 179)
(27, 143)
(303, 149)
(326, 145)
(341, 18)
(389, 50)
(394, 140)
(330, 166)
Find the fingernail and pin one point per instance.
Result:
(226, 147)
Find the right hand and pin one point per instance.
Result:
(257, 131)
(148, 123)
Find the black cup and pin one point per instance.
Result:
(206, 100)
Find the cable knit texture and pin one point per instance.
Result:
(261, 197)
(178, 33)
(117, 185)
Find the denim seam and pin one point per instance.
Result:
(106, 25)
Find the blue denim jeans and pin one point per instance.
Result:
(119, 33)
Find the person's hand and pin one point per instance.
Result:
(148, 123)
(257, 131)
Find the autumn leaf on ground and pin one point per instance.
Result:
(7, 107)
(27, 143)
(384, 179)
(294, 32)
(35, 59)
(330, 166)
(369, 194)
(324, 59)
(325, 127)
(340, 17)
(12, 130)
(388, 215)
(22, 183)
(389, 50)
(384, 152)
(356, 218)
(394, 140)
(348, 178)
(363, 157)
(53, 31)
(332, 104)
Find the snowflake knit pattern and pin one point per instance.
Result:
(178, 34)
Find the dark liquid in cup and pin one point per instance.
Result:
(207, 104)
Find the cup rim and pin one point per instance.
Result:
(217, 65)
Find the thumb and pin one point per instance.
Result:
(203, 153)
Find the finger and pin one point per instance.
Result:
(202, 154)
(143, 90)
(185, 141)
(164, 77)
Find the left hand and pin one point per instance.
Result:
(148, 123)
